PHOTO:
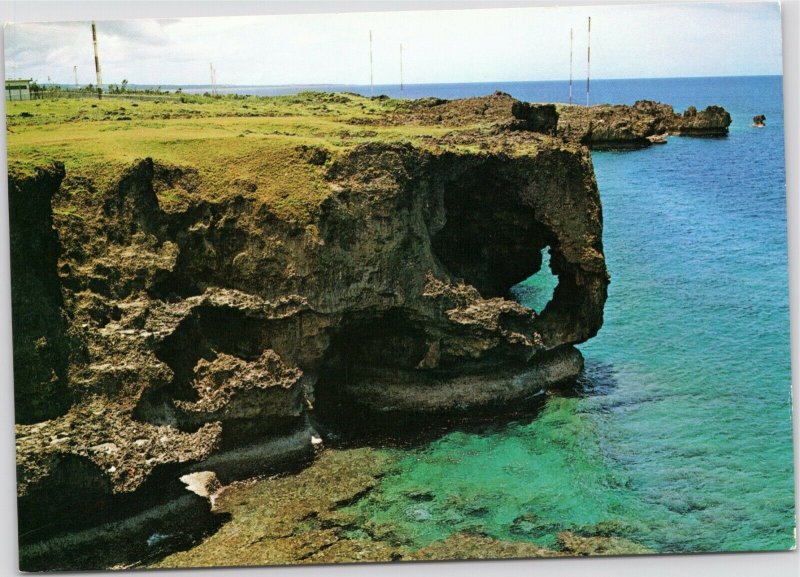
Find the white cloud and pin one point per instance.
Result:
(439, 46)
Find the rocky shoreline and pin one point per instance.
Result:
(606, 126)
(161, 333)
(304, 519)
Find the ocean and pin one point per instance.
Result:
(678, 436)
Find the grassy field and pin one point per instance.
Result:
(256, 146)
(234, 143)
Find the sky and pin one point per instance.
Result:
(472, 45)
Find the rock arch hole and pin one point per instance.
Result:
(490, 239)
(536, 291)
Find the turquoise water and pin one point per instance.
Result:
(537, 290)
(679, 434)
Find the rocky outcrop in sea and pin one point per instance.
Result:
(607, 126)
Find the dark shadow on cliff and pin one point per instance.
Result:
(42, 340)
(111, 530)
(490, 239)
(346, 424)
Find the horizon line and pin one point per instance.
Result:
(336, 84)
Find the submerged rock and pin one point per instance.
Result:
(464, 546)
(303, 519)
(293, 519)
(573, 544)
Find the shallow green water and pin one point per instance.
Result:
(679, 435)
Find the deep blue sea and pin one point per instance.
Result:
(747, 91)
(679, 435)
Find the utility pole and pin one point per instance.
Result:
(371, 86)
(97, 62)
(213, 79)
(401, 67)
(588, 59)
(570, 65)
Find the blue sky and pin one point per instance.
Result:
(628, 41)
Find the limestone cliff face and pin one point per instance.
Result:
(204, 332)
(621, 126)
(41, 345)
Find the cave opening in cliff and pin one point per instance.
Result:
(536, 291)
(204, 334)
(490, 239)
(208, 334)
(368, 346)
(386, 341)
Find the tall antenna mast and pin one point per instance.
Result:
(570, 65)
(588, 59)
(371, 87)
(401, 67)
(213, 79)
(97, 62)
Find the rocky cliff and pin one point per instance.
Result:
(646, 122)
(155, 337)
(197, 308)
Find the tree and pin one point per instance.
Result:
(124, 85)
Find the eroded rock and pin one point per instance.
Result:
(573, 544)
(607, 126)
(208, 329)
(202, 483)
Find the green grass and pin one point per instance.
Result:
(236, 144)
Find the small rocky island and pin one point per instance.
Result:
(194, 281)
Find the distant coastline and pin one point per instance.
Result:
(338, 87)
